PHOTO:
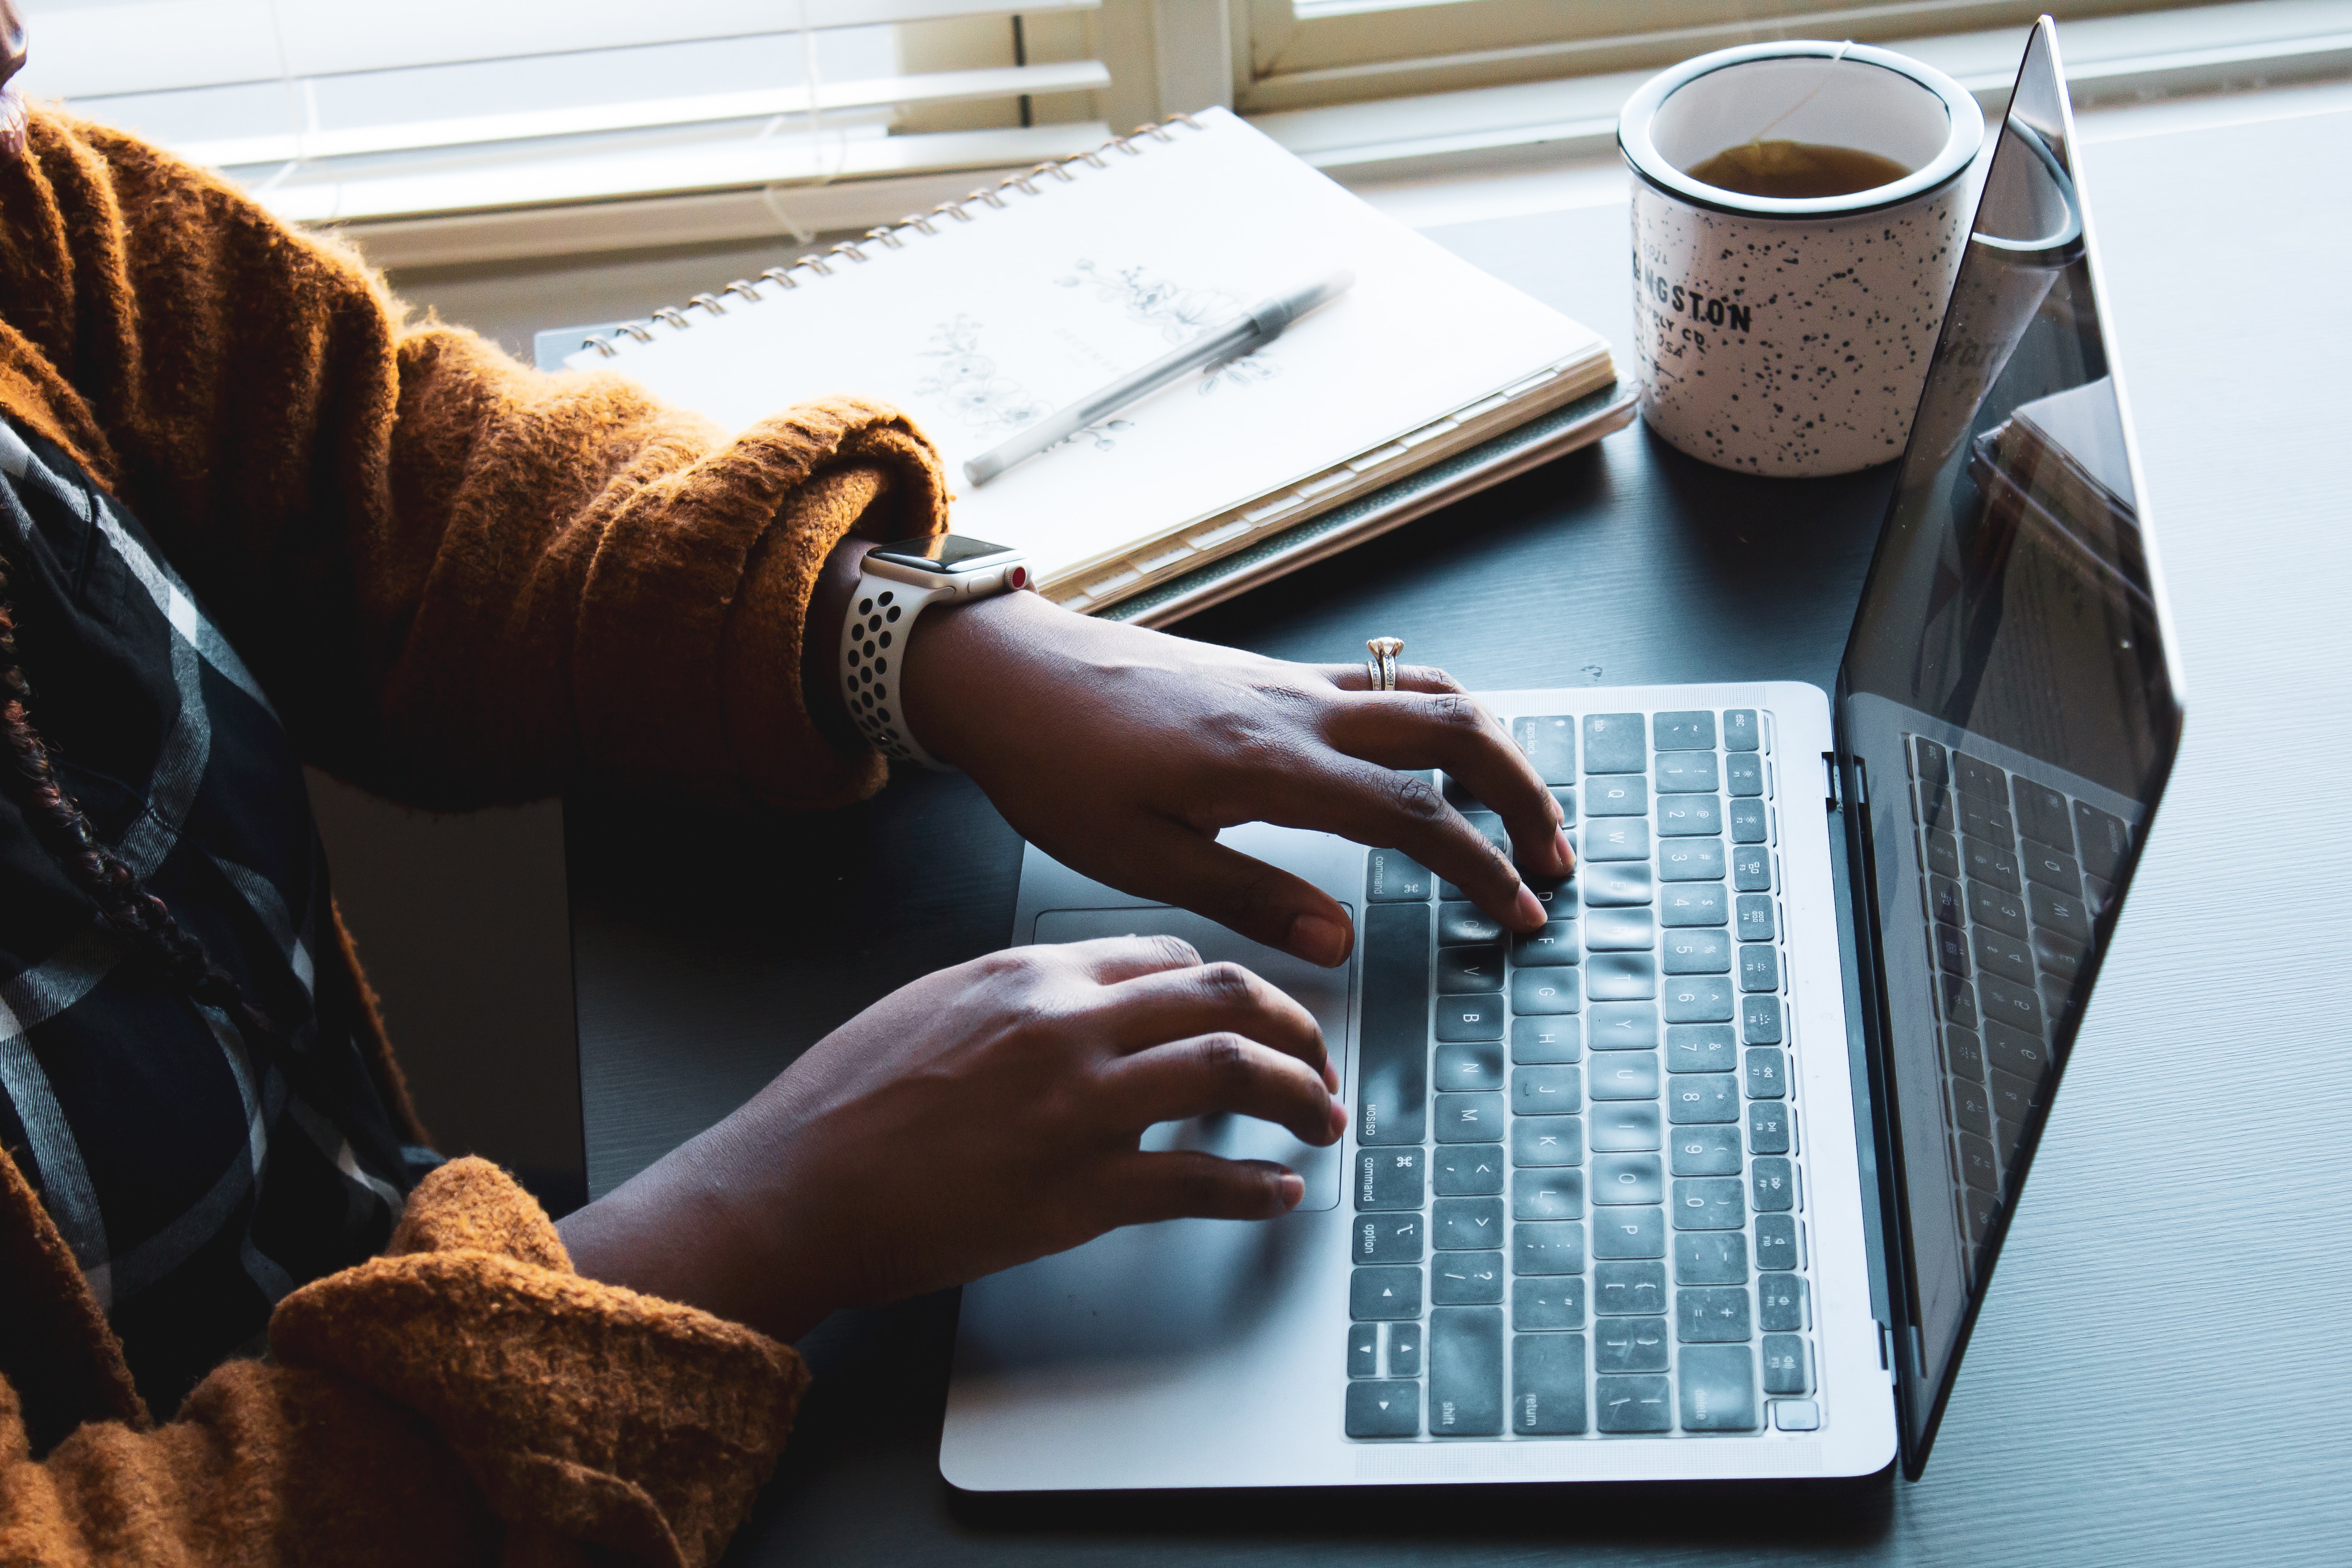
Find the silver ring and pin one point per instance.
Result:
(1380, 668)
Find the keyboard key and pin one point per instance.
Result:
(1787, 1368)
(2060, 912)
(2016, 1051)
(1944, 854)
(1384, 1410)
(1981, 819)
(1970, 1108)
(1951, 950)
(1549, 744)
(1687, 773)
(1747, 826)
(1780, 1303)
(1547, 1384)
(2013, 1096)
(1473, 1017)
(1469, 971)
(1541, 1141)
(1555, 1301)
(1772, 1183)
(1616, 1128)
(1696, 950)
(2052, 868)
(1470, 1066)
(1461, 923)
(1386, 1238)
(1625, 1075)
(1692, 904)
(1979, 1166)
(1625, 1179)
(1548, 1091)
(1711, 1257)
(1697, 999)
(1614, 885)
(1466, 1280)
(1620, 930)
(1998, 907)
(1548, 947)
(1379, 1294)
(1945, 901)
(1567, 799)
(1363, 1349)
(1767, 1127)
(1388, 1178)
(1740, 729)
(1549, 1247)
(1971, 775)
(1718, 1385)
(1392, 1082)
(1547, 1039)
(1759, 967)
(2013, 1005)
(1760, 1020)
(1932, 762)
(1631, 1404)
(1743, 775)
(1713, 1315)
(1689, 816)
(1963, 1052)
(1709, 1203)
(1683, 731)
(1958, 1000)
(1631, 1233)
(1767, 1073)
(1624, 1026)
(1404, 1348)
(1622, 976)
(2042, 814)
(2057, 957)
(1991, 862)
(1390, 878)
(1706, 1151)
(2002, 955)
(1751, 868)
(1629, 1289)
(1776, 1242)
(1629, 1344)
(1470, 1118)
(1616, 838)
(1756, 922)
(1551, 1194)
(1701, 1047)
(1691, 860)
(2101, 841)
(1702, 1098)
(1623, 796)
(1613, 743)
(1466, 1225)
(1466, 1170)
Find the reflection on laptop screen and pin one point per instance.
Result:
(2008, 698)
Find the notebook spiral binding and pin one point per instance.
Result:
(889, 235)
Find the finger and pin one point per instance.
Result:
(1409, 677)
(1112, 960)
(1184, 1184)
(1170, 861)
(1402, 730)
(1152, 1009)
(1224, 1074)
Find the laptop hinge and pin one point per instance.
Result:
(1830, 772)
(1887, 1351)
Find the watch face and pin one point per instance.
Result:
(942, 551)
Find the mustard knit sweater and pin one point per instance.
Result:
(461, 583)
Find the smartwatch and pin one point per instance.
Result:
(896, 582)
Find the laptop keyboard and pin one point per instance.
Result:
(1579, 1195)
(2013, 874)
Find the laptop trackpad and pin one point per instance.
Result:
(1322, 991)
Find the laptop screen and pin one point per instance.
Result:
(2008, 700)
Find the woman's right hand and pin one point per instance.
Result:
(978, 1118)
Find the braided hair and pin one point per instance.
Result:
(28, 780)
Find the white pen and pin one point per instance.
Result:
(1245, 333)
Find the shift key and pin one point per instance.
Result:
(1393, 1078)
(1465, 1372)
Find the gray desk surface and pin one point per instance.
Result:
(2161, 1375)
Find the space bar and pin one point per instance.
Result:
(1393, 1086)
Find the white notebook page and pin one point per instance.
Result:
(985, 326)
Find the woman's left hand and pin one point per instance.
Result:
(1122, 752)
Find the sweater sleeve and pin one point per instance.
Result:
(461, 582)
(464, 1399)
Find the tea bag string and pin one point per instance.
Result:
(1756, 140)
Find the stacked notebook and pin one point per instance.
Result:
(1427, 380)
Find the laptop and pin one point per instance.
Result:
(1707, 1178)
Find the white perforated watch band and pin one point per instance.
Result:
(873, 634)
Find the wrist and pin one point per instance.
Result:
(960, 660)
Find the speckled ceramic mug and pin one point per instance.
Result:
(1785, 336)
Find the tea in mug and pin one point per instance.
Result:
(1796, 171)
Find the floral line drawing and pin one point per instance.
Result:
(1182, 314)
(967, 382)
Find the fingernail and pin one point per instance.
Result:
(1330, 1075)
(1290, 1189)
(1529, 908)
(1318, 941)
(1564, 853)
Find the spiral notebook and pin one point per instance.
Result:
(1428, 379)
